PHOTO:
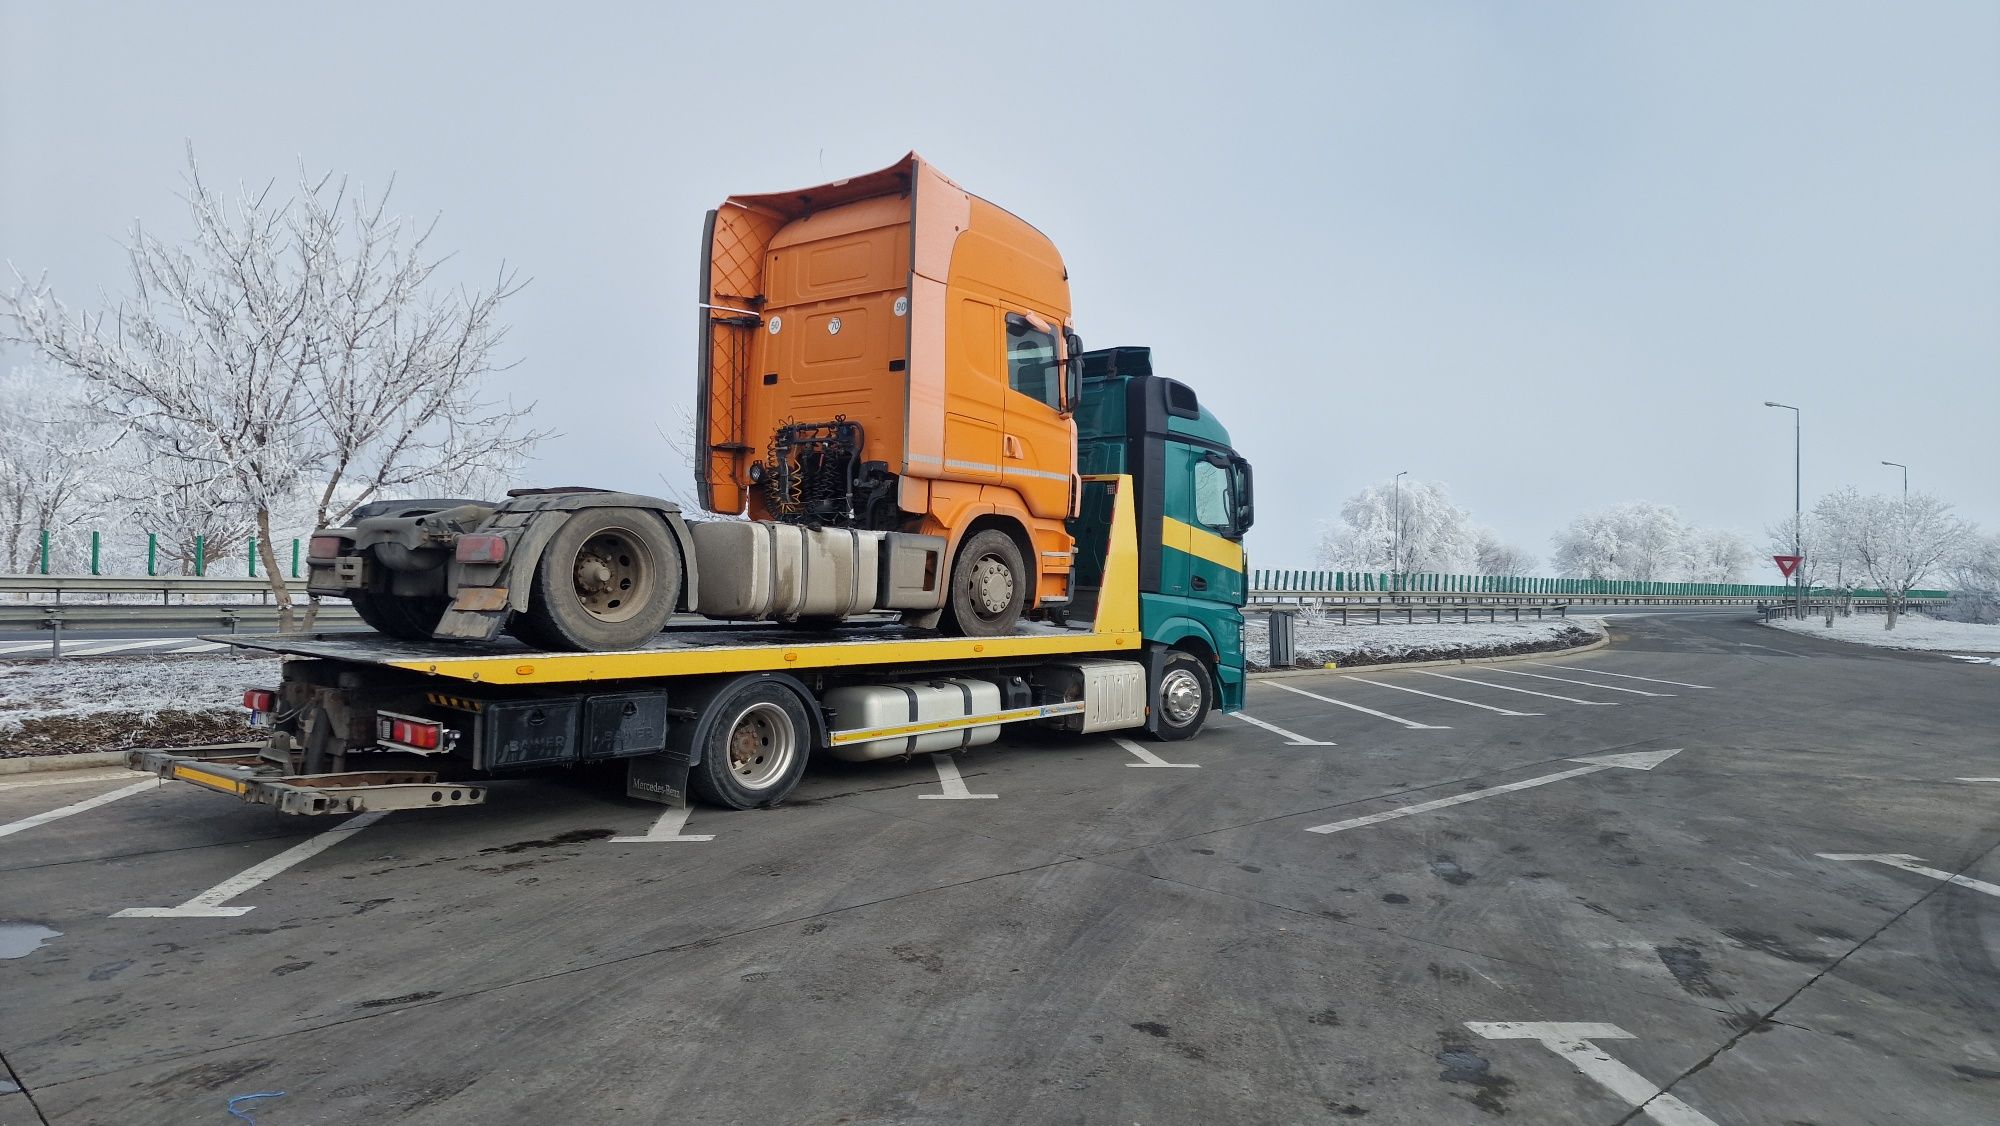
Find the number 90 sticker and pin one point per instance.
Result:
(902, 306)
(833, 326)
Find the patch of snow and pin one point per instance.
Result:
(1913, 631)
(141, 686)
(1318, 639)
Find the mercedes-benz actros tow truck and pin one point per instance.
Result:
(1129, 618)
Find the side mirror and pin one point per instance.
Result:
(1246, 501)
(1071, 372)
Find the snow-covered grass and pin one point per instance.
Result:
(1913, 631)
(1319, 640)
(110, 703)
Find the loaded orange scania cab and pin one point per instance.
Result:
(894, 354)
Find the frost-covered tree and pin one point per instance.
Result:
(1435, 535)
(1635, 540)
(1974, 578)
(1897, 543)
(289, 345)
(1824, 559)
(52, 451)
(1494, 556)
(1714, 556)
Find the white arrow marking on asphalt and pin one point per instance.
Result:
(1148, 758)
(1435, 696)
(1409, 723)
(1296, 739)
(667, 829)
(1629, 676)
(13, 827)
(1909, 863)
(953, 784)
(209, 904)
(1587, 684)
(1637, 760)
(1572, 1041)
(1523, 691)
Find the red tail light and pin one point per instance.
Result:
(323, 547)
(260, 700)
(481, 548)
(403, 731)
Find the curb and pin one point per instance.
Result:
(40, 763)
(1284, 674)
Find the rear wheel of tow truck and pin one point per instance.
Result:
(989, 586)
(407, 618)
(1182, 699)
(755, 752)
(607, 580)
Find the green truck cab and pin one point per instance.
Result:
(1194, 504)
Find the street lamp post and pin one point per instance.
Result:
(1906, 478)
(1798, 502)
(1396, 541)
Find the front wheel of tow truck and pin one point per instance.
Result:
(755, 752)
(607, 580)
(989, 586)
(1183, 698)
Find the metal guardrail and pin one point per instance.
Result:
(162, 585)
(206, 618)
(1436, 612)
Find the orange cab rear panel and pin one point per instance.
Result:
(900, 304)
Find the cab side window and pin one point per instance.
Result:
(1031, 362)
(1211, 498)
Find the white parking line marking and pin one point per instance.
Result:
(1435, 696)
(1625, 676)
(99, 649)
(22, 646)
(209, 904)
(1637, 760)
(1588, 684)
(667, 829)
(951, 782)
(26, 823)
(1523, 691)
(1572, 1041)
(1979, 779)
(1294, 738)
(1409, 723)
(201, 647)
(38, 779)
(1909, 863)
(1148, 758)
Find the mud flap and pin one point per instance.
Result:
(657, 778)
(471, 625)
(1156, 667)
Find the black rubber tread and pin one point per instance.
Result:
(960, 618)
(1165, 732)
(558, 621)
(710, 780)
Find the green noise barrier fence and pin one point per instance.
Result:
(1337, 583)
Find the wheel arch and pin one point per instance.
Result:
(685, 740)
(544, 514)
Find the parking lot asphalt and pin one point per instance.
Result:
(1494, 898)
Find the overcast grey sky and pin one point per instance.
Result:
(1555, 255)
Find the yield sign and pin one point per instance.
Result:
(1787, 563)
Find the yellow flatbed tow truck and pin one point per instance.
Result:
(727, 714)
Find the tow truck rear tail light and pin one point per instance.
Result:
(408, 732)
(323, 547)
(481, 548)
(260, 700)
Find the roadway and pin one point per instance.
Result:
(1740, 865)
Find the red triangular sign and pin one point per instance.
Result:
(1787, 563)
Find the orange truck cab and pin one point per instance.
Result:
(892, 353)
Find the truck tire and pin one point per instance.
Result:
(989, 586)
(607, 580)
(406, 618)
(1182, 699)
(755, 750)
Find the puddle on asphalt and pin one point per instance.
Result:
(18, 940)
